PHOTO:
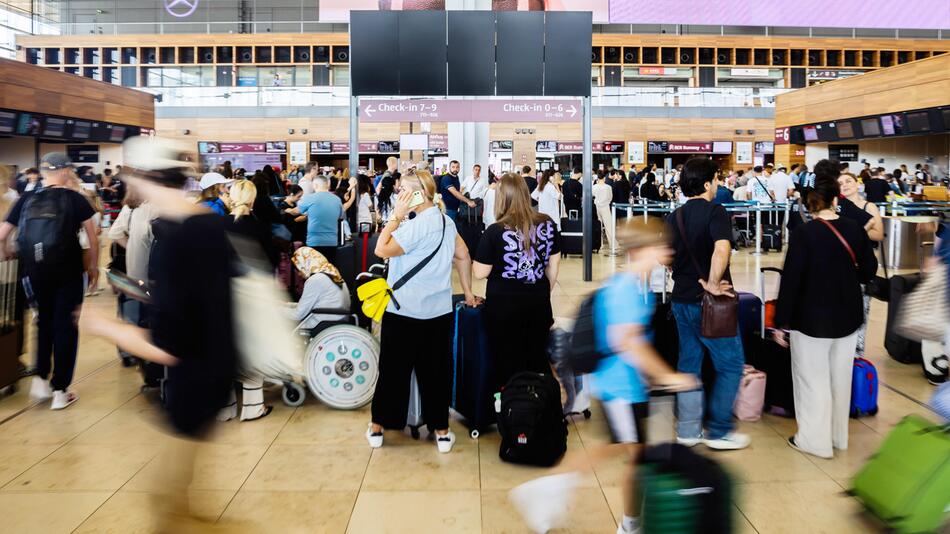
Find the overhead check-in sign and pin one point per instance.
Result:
(432, 110)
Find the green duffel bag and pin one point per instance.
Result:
(907, 481)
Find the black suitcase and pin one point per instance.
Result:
(665, 335)
(365, 252)
(572, 236)
(473, 382)
(900, 348)
(771, 237)
(775, 361)
(471, 234)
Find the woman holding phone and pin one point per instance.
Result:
(421, 244)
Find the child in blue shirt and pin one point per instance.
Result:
(622, 315)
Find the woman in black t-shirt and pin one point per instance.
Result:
(519, 255)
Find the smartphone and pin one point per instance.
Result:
(417, 199)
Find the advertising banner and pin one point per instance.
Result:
(635, 154)
(744, 152)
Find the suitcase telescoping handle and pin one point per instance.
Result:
(762, 271)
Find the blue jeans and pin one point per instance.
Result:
(451, 214)
(727, 358)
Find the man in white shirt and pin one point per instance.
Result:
(603, 196)
(781, 185)
(306, 183)
(475, 186)
(759, 187)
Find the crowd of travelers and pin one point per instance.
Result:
(172, 230)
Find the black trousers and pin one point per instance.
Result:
(409, 344)
(57, 334)
(518, 331)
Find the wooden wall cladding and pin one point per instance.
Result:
(40, 90)
(916, 85)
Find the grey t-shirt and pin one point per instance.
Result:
(136, 225)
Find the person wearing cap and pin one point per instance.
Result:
(54, 280)
(213, 192)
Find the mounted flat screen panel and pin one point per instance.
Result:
(471, 53)
(374, 54)
(918, 121)
(870, 127)
(414, 141)
(827, 132)
(722, 147)
(54, 127)
(520, 53)
(422, 52)
(811, 133)
(7, 122)
(845, 130)
(892, 124)
(567, 38)
(946, 118)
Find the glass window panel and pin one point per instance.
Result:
(247, 77)
(303, 77)
(341, 76)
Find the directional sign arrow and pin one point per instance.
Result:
(573, 110)
(369, 111)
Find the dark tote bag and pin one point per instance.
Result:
(720, 313)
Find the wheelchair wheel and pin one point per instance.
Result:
(293, 394)
(342, 366)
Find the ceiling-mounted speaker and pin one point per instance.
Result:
(341, 54)
(246, 56)
(687, 55)
(595, 54)
(208, 57)
(722, 57)
(631, 55)
(814, 58)
(301, 54)
(150, 57)
(778, 57)
(321, 54)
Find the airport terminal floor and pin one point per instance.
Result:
(308, 469)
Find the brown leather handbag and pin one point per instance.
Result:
(720, 313)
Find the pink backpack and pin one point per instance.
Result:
(751, 396)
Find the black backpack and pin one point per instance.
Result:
(582, 355)
(531, 421)
(45, 239)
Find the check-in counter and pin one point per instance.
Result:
(904, 246)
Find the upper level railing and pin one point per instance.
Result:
(339, 96)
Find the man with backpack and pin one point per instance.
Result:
(611, 340)
(48, 220)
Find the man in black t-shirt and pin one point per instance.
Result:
(702, 245)
(573, 192)
(528, 174)
(53, 279)
(877, 188)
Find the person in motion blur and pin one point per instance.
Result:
(423, 318)
(621, 381)
(820, 301)
(519, 255)
(53, 272)
(192, 330)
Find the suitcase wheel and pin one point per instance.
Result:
(474, 433)
(414, 432)
(873, 411)
(293, 394)
(586, 414)
(8, 390)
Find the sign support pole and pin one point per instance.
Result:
(587, 208)
(354, 136)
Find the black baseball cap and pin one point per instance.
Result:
(55, 161)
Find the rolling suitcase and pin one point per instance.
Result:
(286, 272)
(473, 376)
(576, 393)
(470, 225)
(907, 482)
(772, 237)
(898, 347)
(776, 362)
(863, 388)
(365, 251)
(750, 312)
(572, 236)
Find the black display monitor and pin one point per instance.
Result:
(810, 133)
(117, 135)
(827, 132)
(100, 131)
(80, 130)
(388, 146)
(917, 122)
(845, 129)
(7, 122)
(892, 124)
(520, 53)
(945, 113)
(275, 147)
(54, 127)
(29, 124)
(422, 53)
(471, 53)
(567, 40)
(374, 53)
(870, 127)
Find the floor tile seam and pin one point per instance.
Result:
(34, 404)
(359, 490)
(739, 509)
(256, 465)
(114, 493)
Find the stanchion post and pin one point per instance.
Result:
(758, 231)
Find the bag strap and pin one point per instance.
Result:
(847, 247)
(766, 189)
(425, 261)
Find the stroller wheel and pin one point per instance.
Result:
(293, 394)
(474, 434)
(414, 432)
(586, 414)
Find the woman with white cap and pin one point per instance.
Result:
(214, 194)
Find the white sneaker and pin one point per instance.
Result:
(543, 502)
(689, 442)
(445, 442)
(730, 442)
(62, 399)
(375, 439)
(621, 530)
(40, 389)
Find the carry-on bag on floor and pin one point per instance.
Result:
(898, 347)
(365, 245)
(287, 273)
(576, 393)
(751, 396)
(863, 388)
(750, 313)
(473, 385)
(572, 236)
(414, 414)
(772, 237)
(776, 362)
(531, 420)
(906, 483)
(683, 492)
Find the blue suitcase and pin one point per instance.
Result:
(863, 388)
(473, 376)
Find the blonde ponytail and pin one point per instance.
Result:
(243, 193)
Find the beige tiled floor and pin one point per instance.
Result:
(90, 468)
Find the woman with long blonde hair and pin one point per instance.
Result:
(519, 255)
(421, 244)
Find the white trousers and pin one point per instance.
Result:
(606, 216)
(821, 377)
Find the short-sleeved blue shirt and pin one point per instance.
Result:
(324, 211)
(619, 302)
